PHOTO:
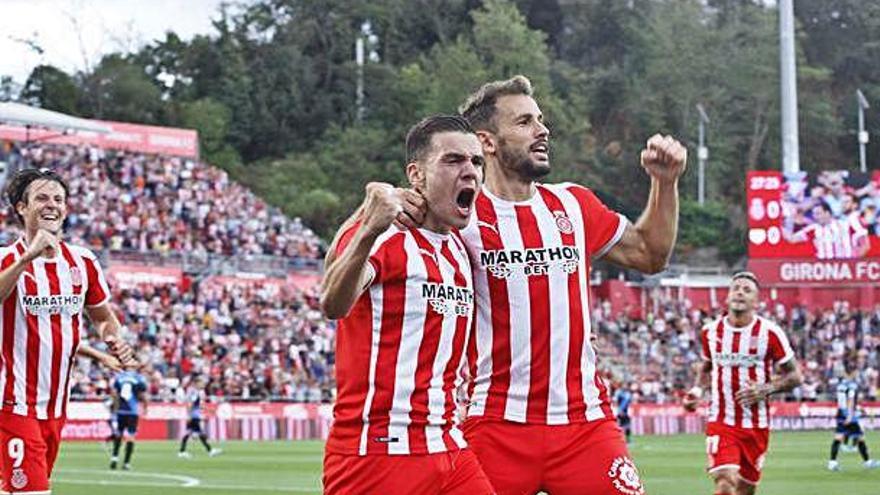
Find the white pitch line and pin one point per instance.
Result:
(293, 489)
(185, 481)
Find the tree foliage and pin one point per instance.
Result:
(272, 90)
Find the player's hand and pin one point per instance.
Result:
(121, 350)
(753, 394)
(664, 158)
(692, 399)
(44, 242)
(382, 207)
(414, 208)
(111, 362)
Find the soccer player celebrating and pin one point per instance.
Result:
(195, 398)
(405, 299)
(739, 352)
(45, 287)
(130, 394)
(540, 416)
(848, 420)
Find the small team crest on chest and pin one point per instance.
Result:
(563, 223)
(76, 276)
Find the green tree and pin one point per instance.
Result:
(119, 89)
(211, 119)
(51, 88)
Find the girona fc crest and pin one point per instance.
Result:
(76, 276)
(19, 479)
(563, 223)
(625, 477)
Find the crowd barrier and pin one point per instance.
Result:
(280, 421)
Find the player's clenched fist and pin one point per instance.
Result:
(664, 158)
(43, 241)
(381, 207)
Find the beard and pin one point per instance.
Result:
(519, 161)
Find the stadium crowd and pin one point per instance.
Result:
(131, 201)
(251, 342)
(658, 352)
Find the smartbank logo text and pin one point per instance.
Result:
(449, 299)
(53, 305)
(502, 263)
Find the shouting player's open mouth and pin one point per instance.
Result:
(465, 200)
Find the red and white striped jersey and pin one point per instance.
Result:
(531, 360)
(400, 352)
(41, 325)
(742, 356)
(837, 239)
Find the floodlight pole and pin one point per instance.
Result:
(791, 161)
(359, 60)
(702, 156)
(863, 134)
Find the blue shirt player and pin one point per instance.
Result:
(848, 421)
(130, 397)
(195, 398)
(623, 397)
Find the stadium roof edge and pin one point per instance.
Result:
(19, 114)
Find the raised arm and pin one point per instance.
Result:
(647, 245)
(42, 241)
(346, 277)
(412, 216)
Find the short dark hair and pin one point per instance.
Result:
(479, 108)
(17, 187)
(824, 205)
(418, 139)
(746, 275)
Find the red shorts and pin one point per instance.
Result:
(561, 459)
(28, 448)
(742, 449)
(444, 473)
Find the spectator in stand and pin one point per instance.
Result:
(132, 201)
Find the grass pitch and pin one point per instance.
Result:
(669, 466)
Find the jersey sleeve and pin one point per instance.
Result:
(98, 292)
(7, 257)
(603, 226)
(386, 251)
(778, 347)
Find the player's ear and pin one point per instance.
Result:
(415, 172)
(488, 141)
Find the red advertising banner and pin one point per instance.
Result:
(123, 136)
(832, 215)
(671, 419)
(91, 411)
(89, 421)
